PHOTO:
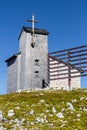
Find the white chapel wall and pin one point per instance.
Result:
(63, 83)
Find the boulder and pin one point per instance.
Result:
(60, 115)
(11, 113)
(53, 110)
(1, 116)
(70, 106)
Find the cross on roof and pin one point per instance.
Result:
(33, 22)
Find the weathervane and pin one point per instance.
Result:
(33, 29)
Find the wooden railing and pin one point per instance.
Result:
(69, 63)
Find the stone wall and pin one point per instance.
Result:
(62, 83)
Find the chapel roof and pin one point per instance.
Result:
(37, 31)
(12, 57)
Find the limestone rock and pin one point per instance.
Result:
(31, 112)
(82, 98)
(42, 101)
(1, 116)
(60, 115)
(70, 106)
(78, 115)
(74, 101)
(37, 120)
(10, 113)
(53, 110)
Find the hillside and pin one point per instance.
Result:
(44, 110)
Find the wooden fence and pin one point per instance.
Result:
(67, 64)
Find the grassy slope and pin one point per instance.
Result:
(24, 102)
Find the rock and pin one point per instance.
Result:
(85, 90)
(41, 94)
(42, 101)
(16, 120)
(1, 116)
(42, 120)
(84, 109)
(47, 111)
(31, 112)
(1, 128)
(45, 117)
(74, 101)
(82, 98)
(72, 112)
(51, 124)
(78, 115)
(36, 128)
(22, 120)
(78, 120)
(32, 129)
(37, 120)
(32, 123)
(47, 105)
(17, 107)
(53, 110)
(70, 106)
(10, 113)
(63, 109)
(62, 125)
(60, 115)
(50, 115)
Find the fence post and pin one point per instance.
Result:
(69, 71)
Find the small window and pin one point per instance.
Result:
(36, 74)
(36, 62)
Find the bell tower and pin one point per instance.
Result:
(34, 57)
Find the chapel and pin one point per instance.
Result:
(29, 68)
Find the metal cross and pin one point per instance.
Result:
(33, 29)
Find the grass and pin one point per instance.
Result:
(22, 103)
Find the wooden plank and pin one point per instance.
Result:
(75, 48)
(58, 78)
(60, 55)
(74, 52)
(58, 74)
(80, 63)
(78, 55)
(79, 59)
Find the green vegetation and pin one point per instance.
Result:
(33, 110)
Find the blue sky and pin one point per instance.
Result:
(66, 21)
